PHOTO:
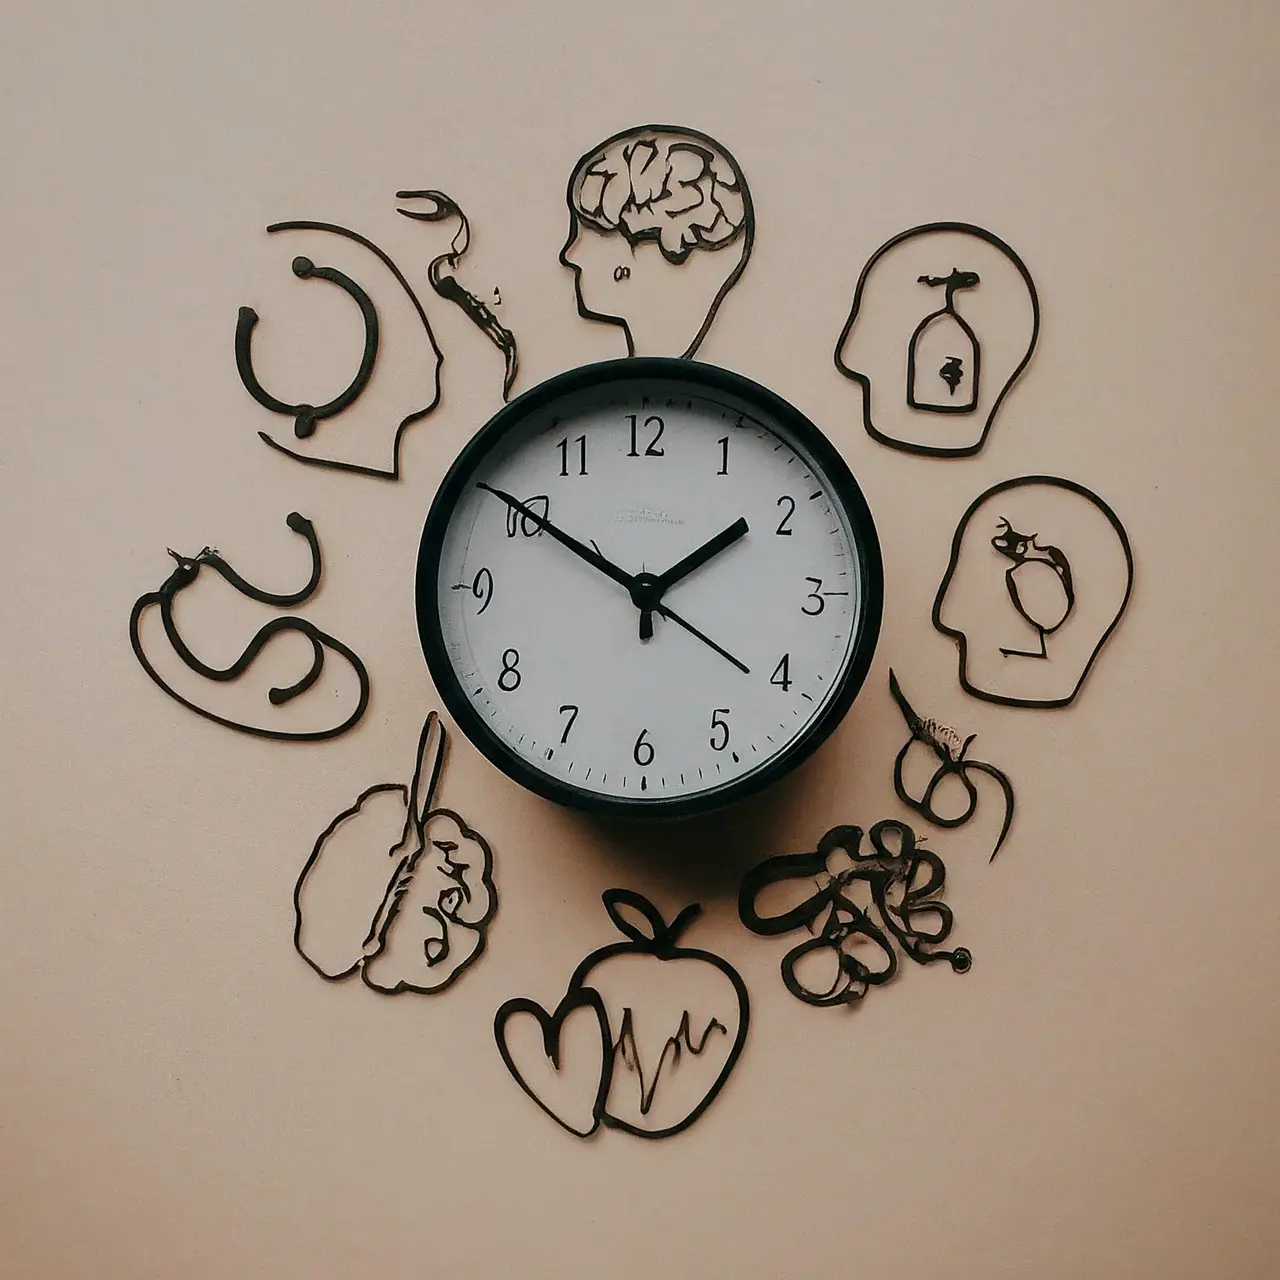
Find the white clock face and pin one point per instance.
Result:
(676, 688)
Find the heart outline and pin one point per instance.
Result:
(551, 1025)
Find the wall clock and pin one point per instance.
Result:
(648, 587)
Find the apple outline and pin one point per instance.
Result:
(661, 944)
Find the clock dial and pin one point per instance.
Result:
(645, 589)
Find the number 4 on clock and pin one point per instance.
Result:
(782, 673)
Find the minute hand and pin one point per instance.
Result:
(593, 558)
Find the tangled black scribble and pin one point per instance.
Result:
(659, 187)
(951, 752)
(904, 884)
(187, 571)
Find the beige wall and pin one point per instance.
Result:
(181, 1097)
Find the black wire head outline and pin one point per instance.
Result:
(928, 228)
(248, 319)
(419, 799)
(960, 638)
(953, 762)
(661, 941)
(745, 232)
(187, 570)
(884, 870)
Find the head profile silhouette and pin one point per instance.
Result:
(660, 229)
(351, 361)
(945, 317)
(1040, 572)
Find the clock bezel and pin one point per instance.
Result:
(701, 378)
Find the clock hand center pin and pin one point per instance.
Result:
(650, 588)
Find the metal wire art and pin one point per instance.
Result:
(442, 275)
(1040, 573)
(661, 226)
(904, 881)
(397, 888)
(612, 1051)
(307, 417)
(960, 359)
(432, 206)
(941, 334)
(187, 571)
(950, 765)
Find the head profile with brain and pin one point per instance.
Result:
(660, 229)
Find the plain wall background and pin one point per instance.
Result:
(180, 1096)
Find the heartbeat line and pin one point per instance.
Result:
(683, 1039)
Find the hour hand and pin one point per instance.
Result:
(652, 588)
(696, 559)
(593, 558)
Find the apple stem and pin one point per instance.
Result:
(671, 935)
(661, 938)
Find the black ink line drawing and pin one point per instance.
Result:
(694, 1059)
(944, 327)
(525, 524)
(661, 226)
(441, 274)
(1030, 612)
(943, 353)
(1039, 583)
(951, 762)
(307, 416)
(187, 571)
(397, 887)
(915, 876)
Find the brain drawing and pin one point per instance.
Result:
(653, 185)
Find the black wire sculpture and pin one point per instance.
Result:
(1045, 616)
(306, 416)
(187, 571)
(674, 187)
(943, 353)
(946, 326)
(397, 888)
(441, 272)
(623, 1086)
(1040, 596)
(904, 881)
(952, 762)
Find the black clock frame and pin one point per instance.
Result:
(702, 379)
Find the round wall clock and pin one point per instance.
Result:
(648, 587)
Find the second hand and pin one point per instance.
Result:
(689, 627)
